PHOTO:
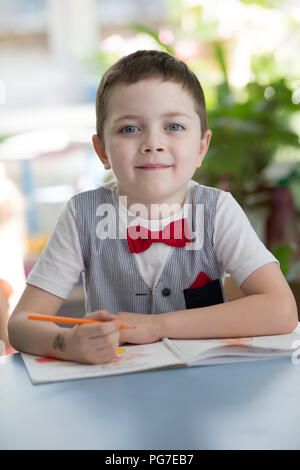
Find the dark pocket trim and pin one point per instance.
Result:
(204, 296)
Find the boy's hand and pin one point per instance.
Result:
(148, 328)
(94, 343)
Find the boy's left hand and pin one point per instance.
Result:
(148, 328)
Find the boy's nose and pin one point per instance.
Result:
(152, 145)
(152, 141)
(148, 148)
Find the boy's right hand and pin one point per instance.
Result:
(94, 343)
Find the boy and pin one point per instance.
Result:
(152, 132)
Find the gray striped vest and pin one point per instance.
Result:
(112, 280)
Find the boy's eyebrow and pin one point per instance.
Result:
(171, 114)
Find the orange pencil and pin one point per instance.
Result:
(69, 320)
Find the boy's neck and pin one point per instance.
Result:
(149, 210)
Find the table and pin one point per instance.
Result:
(251, 405)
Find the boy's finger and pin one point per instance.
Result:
(107, 328)
(94, 330)
(110, 342)
(102, 315)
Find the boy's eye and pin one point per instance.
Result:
(175, 127)
(131, 129)
(128, 129)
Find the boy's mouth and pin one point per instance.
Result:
(153, 166)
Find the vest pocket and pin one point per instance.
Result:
(204, 296)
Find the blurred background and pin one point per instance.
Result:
(52, 56)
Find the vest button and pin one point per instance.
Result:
(166, 292)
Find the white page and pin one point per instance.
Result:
(217, 360)
(131, 358)
(195, 351)
(276, 342)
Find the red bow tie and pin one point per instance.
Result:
(175, 234)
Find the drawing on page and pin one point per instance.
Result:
(123, 355)
(126, 355)
(236, 341)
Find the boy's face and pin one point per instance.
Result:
(152, 141)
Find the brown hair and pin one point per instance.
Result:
(145, 64)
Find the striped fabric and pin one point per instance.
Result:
(112, 279)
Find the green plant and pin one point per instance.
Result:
(246, 133)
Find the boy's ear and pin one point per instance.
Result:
(100, 151)
(204, 144)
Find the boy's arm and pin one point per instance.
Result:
(269, 308)
(93, 343)
(33, 336)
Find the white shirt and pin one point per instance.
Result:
(238, 249)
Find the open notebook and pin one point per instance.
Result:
(168, 354)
